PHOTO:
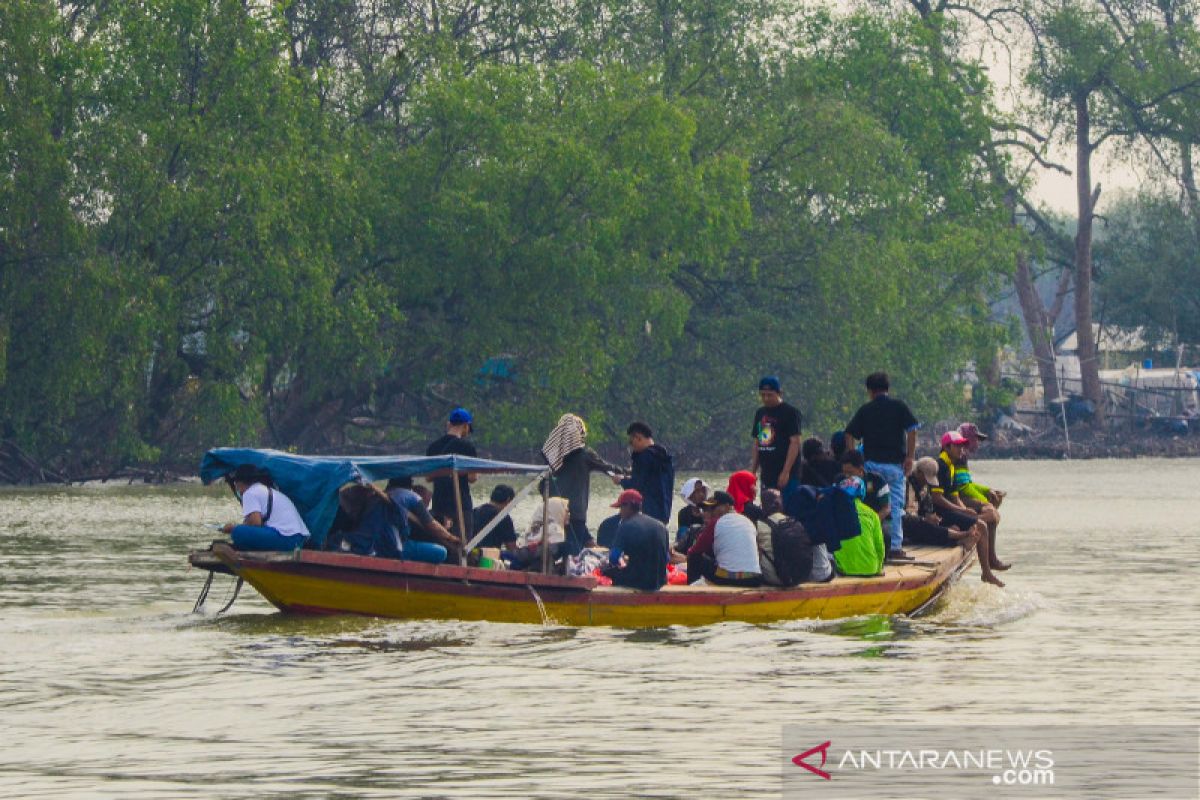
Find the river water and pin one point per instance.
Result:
(110, 687)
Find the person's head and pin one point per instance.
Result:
(694, 491)
(460, 423)
(952, 443)
(400, 483)
(924, 472)
(770, 391)
(812, 449)
(422, 491)
(640, 436)
(356, 498)
(853, 464)
(628, 504)
(837, 443)
(743, 488)
(244, 476)
(973, 435)
(878, 383)
(720, 504)
(502, 495)
(772, 501)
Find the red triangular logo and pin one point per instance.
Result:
(800, 762)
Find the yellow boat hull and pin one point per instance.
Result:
(326, 583)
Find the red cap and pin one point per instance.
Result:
(628, 497)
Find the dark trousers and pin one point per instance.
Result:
(704, 566)
(577, 537)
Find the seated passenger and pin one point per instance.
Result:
(968, 486)
(862, 555)
(640, 551)
(726, 552)
(414, 502)
(743, 488)
(607, 530)
(821, 568)
(924, 525)
(946, 494)
(877, 491)
(552, 532)
(691, 516)
(379, 527)
(504, 534)
(819, 468)
(270, 519)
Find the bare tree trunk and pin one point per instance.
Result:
(1038, 327)
(1087, 197)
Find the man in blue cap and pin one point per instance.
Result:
(776, 437)
(458, 427)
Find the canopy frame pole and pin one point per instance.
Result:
(482, 533)
(462, 526)
(546, 527)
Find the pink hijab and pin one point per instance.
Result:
(742, 489)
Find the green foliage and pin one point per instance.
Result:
(318, 224)
(1149, 275)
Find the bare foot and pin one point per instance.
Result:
(1001, 565)
(988, 577)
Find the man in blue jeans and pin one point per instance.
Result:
(888, 432)
(270, 520)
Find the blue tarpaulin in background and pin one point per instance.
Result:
(312, 482)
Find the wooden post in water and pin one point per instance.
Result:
(546, 526)
(462, 526)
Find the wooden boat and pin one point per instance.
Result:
(314, 582)
(322, 582)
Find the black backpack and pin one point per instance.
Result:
(791, 550)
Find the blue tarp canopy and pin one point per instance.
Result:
(312, 482)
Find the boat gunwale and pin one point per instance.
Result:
(514, 585)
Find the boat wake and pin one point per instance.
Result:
(975, 604)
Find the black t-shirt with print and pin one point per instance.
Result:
(773, 430)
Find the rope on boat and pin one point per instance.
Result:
(237, 588)
(203, 598)
(540, 605)
(203, 594)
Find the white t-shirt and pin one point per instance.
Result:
(284, 516)
(735, 543)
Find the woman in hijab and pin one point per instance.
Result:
(691, 516)
(743, 489)
(572, 463)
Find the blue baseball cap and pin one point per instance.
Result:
(460, 416)
(769, 382)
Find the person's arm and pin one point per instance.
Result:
(910, 449)
(943, 502)
(704, 542)
(251, 510)
(792, 454)
(754, 458)
(851, 442)
(597, 464)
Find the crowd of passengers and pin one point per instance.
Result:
(802, 512)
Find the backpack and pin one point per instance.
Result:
(789, 559)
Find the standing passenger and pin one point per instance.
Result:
(572, 463)
(454, 442)
(653, 473)
(776, 437)
(888, 431)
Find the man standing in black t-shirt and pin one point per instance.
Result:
(888, 431)
(454, 442)
(776, 437)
